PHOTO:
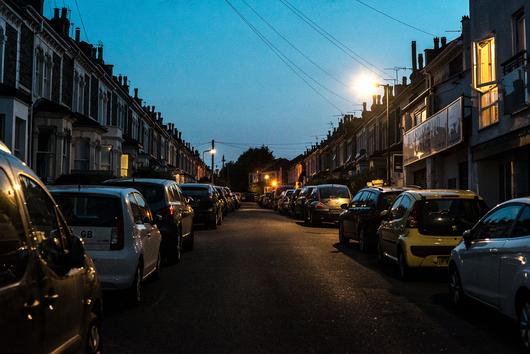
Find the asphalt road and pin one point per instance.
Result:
(265, 283)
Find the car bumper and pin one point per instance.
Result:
(327, 216)
(434, 254)
(204, 217)
(115, 269)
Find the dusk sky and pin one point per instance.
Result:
(207, 72)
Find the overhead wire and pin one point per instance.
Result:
(333, 40)
(292, 45)
(394, 18)
(81, 18)
(291, 65)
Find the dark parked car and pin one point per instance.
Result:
(283, 203)
(325, 203)
(224, 198)
(300, 209)
(50, 297)
(277, 194)
(362, 216)
(170, 207)
(292, 201)
(205, 202)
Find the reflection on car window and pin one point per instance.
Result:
(334, 192)
(44, 221)
(522, 226)
(12, 265)
(499, 223)
(89, 209)
(449, 216)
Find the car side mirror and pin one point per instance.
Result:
(189, 200)
(468, 237)
(344, 206)
(76, 253)
(384, 214)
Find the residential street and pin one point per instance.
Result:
(267, 283)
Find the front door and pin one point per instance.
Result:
(22, 319)
(482, 258)
(62, 287)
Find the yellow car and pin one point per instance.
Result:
(422, 227)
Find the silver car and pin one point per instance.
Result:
(492, 264)
(118, 231)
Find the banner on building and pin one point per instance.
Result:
(438, 133)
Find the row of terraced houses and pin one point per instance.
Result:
(63, 110)
(461, 120)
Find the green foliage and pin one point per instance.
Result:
(236, 173)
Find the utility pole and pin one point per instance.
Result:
(212, 153)
(223, 166)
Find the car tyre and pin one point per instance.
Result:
(135, 291)
(404, 269)
(342, 238)
(455, 287)
(523, 315)
(93, 338)
(312, 220)
(158, 269)
(363, 247)
(380, 254)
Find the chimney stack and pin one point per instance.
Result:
(100, 53)
(120, 80)
(56, 13)
(414, 62)
(444, 42)
(135, 92)
(64, 13)
(77, 34)
(374, 101)
(420, 61)
(364, 106)
(436, 43)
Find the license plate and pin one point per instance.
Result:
(95, 238)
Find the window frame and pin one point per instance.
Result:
(509, 232)
(484, 86)
(517, 17)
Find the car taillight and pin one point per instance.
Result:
(171, 210)
(413, 220)
(320, 205)
(116, 236)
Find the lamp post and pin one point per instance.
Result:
(212, 151)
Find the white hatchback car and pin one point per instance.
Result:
(118, 231)
(492, 264)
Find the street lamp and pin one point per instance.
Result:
(212, 152)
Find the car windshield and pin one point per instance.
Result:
(189, 191)
(449, 217)
(334, 192)
(89, 209)
(387, 199)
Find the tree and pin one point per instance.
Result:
(236, 173)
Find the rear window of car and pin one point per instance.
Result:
(195, 191)
(334, 192)
(387, 199)
(89, 209)
(449, 217)
(153, 193)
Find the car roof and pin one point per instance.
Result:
(385, 189)
(203, 185)
(81, 189)
(442, 193)
(331, 185)
(523, 200)
(159, 181)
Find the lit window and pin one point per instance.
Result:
(484, 59)
(489, 107)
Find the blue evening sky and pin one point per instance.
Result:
(207, 72)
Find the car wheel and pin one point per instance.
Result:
(190, 241)
(93, 339)
(455, 287)
(524, 321)
(312, 220)
(342, 239)
(135, 291)
(363, 247)
(404, 270)
(158, 269)
(380, 254)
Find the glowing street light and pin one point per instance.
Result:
(274, 183)
(267, 176)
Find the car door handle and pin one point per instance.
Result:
(30, 307)
(494, 250)
(51, 297)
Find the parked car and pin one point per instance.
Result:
(207, 207)
(276, 196)
(118, 231)
(362, 216)
(300, 207)
(172, 209)
(226, 201)
(50, 296)
(283, 203)
(292, 201)
(325, 203)
(491, 264)
(423, 226)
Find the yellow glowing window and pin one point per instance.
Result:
(124, 169)
(489, 107)
(485, 63)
